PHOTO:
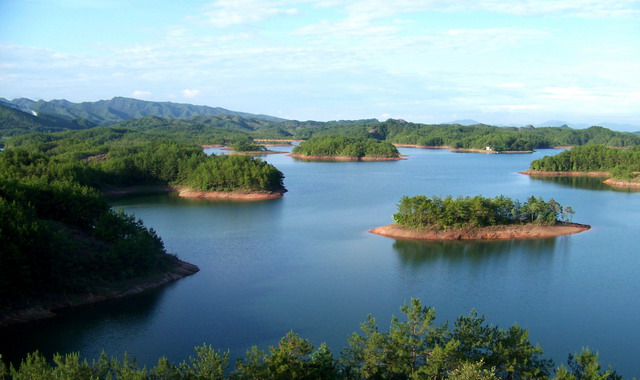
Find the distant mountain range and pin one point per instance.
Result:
(559, 123)
(109, 112)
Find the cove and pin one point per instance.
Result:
(307, 263)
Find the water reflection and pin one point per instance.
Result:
(75, 327)
(415, 253)
(586, 183)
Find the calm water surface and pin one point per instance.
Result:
(307, 263)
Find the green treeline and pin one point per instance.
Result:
(622, 164)
(442, 213)
(222, 129)
(112, 157)
(57, 232)
(243, 146)
(412, 348)
(346, 146)
(60, 237)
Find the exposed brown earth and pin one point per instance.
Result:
(190, 193)
(610, 181)
(230, 195)
(547, 173)
(343, 158)
(505, 232)
(211, 146)
(48, 309)
(622, 184)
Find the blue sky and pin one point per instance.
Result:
(495, 61)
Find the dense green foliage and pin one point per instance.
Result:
(621, 164)
(228, 173)
(58, 235)
(14, 122)
(108, 112)
(207, 125)
(346, 146)
(413, 348)
(107, 157)
(57, 231)
(442, 213)
(243, 146)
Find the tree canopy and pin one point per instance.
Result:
(332, 146)
(442, 213)
(619, 163)
(413, 347)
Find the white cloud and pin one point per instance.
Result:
(140, 94)
(187, 93)
(226, 13)
(583, 8)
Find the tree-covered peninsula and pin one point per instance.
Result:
(413, 347)
(59, 238)
(345, 148)
(110, 159)
(437, 218)
(621, 165)
(62, 245)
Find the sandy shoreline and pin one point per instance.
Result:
(622, 184)
(634, 185)
(547, 173)
(506, 232)
(343, 158)
(180, 269)
(190, 193)
(229, 195)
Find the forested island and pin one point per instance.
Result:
(470, 218)
(414, 347)
(341, 148)
(620, 166)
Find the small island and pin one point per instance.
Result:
(479, 218)
(342, 148)
(618, 167)
(250, 149)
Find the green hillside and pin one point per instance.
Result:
(108, 112)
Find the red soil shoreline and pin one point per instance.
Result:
(622, 184)
(343, 158)
(229, 195)
(548, 173)
(190, 193)
(506, 232)
(43, 310)
(609, 181)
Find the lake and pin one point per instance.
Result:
(307, 263)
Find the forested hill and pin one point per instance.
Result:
(108, 112)
(14, 122)
(208, 125)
